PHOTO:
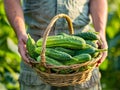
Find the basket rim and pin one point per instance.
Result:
(73, 66)
(71, 74)
(48, 77)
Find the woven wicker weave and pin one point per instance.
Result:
(56, 79)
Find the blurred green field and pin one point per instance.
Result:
(10, 58)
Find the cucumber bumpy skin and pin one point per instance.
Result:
(50, 61)
(88, 35)
(90, 50)
(55, 54)
(30, 45)
(81, 58)
(64, 40)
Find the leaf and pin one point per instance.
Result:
(12, 46)
(104, 65)
(2, 87)
(114, 41)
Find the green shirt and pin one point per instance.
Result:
(38, 14)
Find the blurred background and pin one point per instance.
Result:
(10, 58)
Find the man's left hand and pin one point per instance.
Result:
(104, 45)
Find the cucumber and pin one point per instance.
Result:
(90, 50)
(55, 54)
(81, 58)
(66, 50)
(50, 61)
(30, 45)
(88, 35)
(64, 40)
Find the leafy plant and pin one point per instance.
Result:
(9, 57)
(110, 68)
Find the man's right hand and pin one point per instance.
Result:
(22, 47)
(15, 17)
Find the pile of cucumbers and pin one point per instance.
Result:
(65, 49)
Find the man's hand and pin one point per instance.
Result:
(15, 16)
(103, 46)
(22, 47)
(99, 18)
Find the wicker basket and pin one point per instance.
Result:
(56, 79)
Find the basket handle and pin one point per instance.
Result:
(45, 35)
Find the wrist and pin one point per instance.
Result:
(22, 37)
(102, 33)
(102, 36)
(21, 34)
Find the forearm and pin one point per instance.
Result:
(15, 16)
(98, 11)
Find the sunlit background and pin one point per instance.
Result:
(10, 59)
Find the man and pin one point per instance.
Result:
(37, 14)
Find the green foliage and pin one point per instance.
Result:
(110, 68)
(9, 57)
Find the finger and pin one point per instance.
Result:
(23, 52)
(24, 40)
(104, 55)
(24, 57)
